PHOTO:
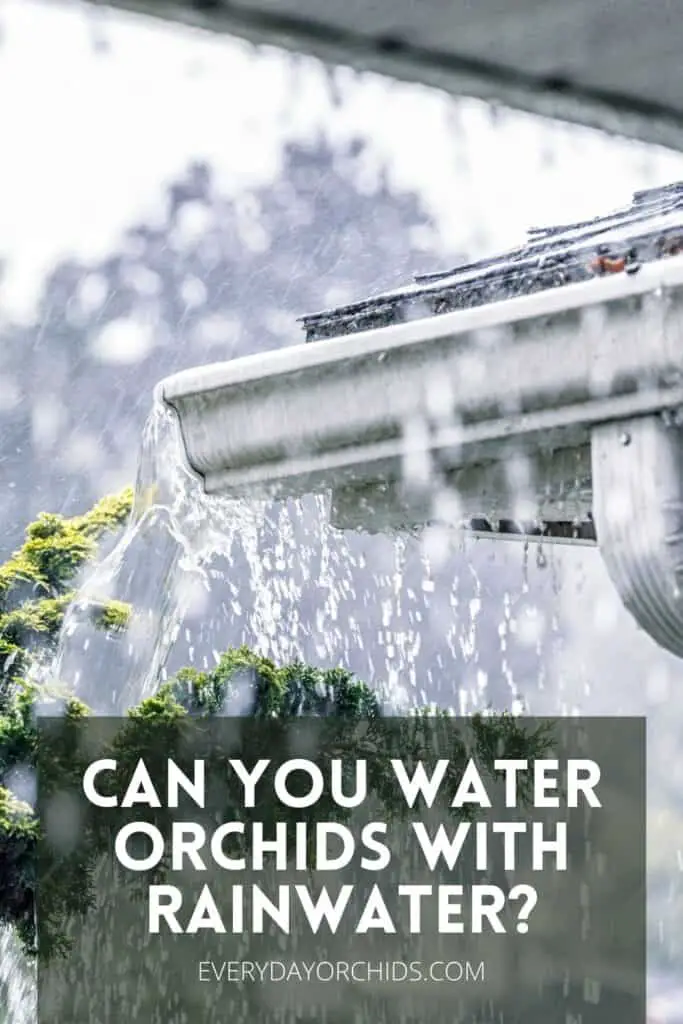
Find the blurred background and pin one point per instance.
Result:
(171, 197)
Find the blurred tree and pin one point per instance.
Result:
(220, 276)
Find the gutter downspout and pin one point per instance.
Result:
(638, 513)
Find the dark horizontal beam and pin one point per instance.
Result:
(558, 532)
(552, 95)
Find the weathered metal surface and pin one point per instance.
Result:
(555, 413)
(638, 509)
(503, 381)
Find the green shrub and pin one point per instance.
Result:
(35, 590)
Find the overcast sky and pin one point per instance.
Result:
(105, 108)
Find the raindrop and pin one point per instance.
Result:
(541, 560)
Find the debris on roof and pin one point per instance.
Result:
(651, 228)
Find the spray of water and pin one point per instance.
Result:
(372, 603)
(160, 562)
(17, 982)
(174, 531)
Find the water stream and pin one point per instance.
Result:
(158, 568)
(202, 573)
(178, 542)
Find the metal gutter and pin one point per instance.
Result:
(583, 384)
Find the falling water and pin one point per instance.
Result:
(155, 570)
(17, 982)
(399, 611)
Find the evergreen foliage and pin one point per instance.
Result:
(36, 587)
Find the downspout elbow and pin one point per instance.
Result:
(637, 469)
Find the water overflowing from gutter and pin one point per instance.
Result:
(159, 563)
(304, 597)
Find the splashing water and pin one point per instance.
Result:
(389, 608)
(17, 982)
(311, 592)
(155, 572)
